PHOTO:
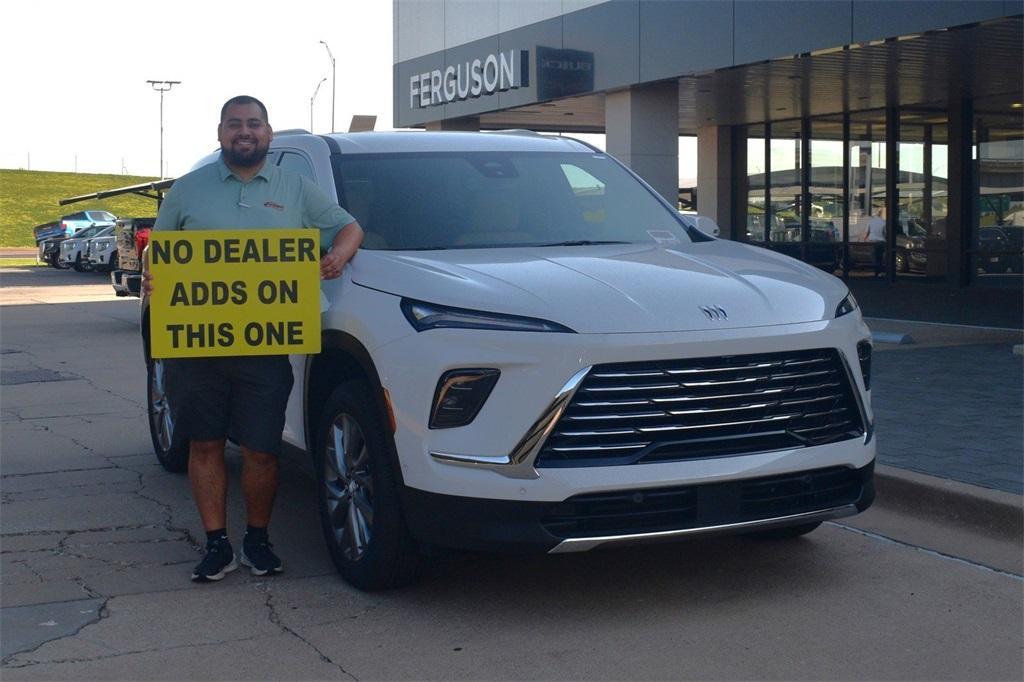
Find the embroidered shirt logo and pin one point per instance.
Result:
(273, 205)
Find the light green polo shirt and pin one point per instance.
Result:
(214, 198)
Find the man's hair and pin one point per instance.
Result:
(245, 99)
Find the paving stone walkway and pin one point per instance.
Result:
(954, 411)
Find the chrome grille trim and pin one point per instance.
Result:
(719, 406)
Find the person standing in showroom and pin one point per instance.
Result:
(243, 397)
(875, 234)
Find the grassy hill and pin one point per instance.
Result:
(29, 198)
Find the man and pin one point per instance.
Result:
(242, 398)
(875, 233)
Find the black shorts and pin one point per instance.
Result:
(241, 397)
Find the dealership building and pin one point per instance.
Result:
(869, 137)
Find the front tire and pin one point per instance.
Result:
(80, 266)
(171, 450)
(357, 491)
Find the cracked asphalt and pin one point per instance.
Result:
(97, 543)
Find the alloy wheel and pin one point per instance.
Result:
(163, 422)
(348, 486)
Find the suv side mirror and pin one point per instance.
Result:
(707, 226)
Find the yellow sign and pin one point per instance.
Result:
(233, 292)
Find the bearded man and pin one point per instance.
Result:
(242, 398)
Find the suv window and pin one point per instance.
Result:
(100, 216)
(297, 163)
(75, 216)
(499, 199)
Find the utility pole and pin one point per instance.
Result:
(162, 87)
(334, 81)
(313, 97)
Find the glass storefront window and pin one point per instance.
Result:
(785, 206)
(828, 207)
(922, 194)
(867, 239)
(756, 169)
(996, 245)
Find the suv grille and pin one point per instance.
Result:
(669, 410)
(708, 504)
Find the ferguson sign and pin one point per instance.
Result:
(506, 70)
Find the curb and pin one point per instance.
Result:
(992, 512)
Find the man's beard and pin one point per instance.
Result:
(254, 157)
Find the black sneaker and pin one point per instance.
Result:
(260, 559)
(218, 562)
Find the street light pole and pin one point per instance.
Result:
(334, 81)
(311, 102)
(162, 87)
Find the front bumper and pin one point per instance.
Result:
(126, 282)
(636, 516)
(479, 460)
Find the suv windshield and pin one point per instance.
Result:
(499, 199)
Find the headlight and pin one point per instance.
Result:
(423, 316)
(848, 305)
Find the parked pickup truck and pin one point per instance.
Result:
(48, 237)
(132, 236)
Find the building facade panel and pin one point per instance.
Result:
(610, 32)
(466, 21)
(513, 14)
(684, 38)
(419, 28)
(557, 75)
(878, 19)
(769, 29)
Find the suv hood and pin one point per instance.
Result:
(613, 288)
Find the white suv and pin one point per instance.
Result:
(532, 351)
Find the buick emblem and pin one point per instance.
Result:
(714, 313)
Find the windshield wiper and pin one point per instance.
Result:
(582, 242)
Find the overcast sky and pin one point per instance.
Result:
(74, 77)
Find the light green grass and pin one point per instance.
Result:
(18, 262)
(29, 198)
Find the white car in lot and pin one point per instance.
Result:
(533, 351)
(101, 252)
(73, 250)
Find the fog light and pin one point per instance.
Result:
(459, 396)
(864, 356)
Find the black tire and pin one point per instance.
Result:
(80, 266)
(358, 494)
(787, 533)
(112, 264)
(171, 450)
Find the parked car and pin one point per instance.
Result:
(911, 254)
(47, 231)
(132, 236)
(101, 252)
(74, 223)
(532, 351)
(72, 250)
(49, 252)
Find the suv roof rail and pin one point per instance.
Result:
(292, 131)
(518, 131)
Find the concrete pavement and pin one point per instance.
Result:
(97, 543)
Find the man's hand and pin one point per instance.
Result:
(331, 264)
(147, 276)
(344, 247)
